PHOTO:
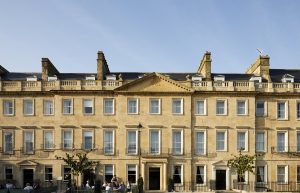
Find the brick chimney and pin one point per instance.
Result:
(48, 69)
(102, 67)
(205, 66)
(261, 67)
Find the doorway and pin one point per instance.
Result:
(220, 179)
(154, 178)
(27, 177)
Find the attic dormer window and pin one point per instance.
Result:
(91, 77)
(256, 79)
(33, 78)
(219, 78)
(287, 78)
(111, 77)
(197, 77)
(52, 78)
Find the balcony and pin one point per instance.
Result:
(291, 151)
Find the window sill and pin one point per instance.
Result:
(108, 114)
(200, 114)
(9, 115)
(48, 115)
(221, 114)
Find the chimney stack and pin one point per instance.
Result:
(261, 67)
(48, 69)
(102, 67)
(205, 66)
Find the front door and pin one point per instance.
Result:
(220, 179)
(154, 178)
(27, 177)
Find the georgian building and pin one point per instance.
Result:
(161, 126)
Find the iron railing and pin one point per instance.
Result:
(290, 186)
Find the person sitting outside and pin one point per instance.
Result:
(28, 188)
(9, 185)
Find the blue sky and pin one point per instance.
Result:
(148, 36)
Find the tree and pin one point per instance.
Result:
(78, 164)
(141, 184)
(242, 163)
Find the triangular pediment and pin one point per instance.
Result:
(27, 163)
(220, 163)
(154, 82)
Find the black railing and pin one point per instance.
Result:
(193, 187)
(291, 186)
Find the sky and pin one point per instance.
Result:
(148, 36)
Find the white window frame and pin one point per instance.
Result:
(181, 173)
(204, 107)
(181, 106)
(46, 108)
(5, 151)
(104, 106)
(159, 141)
(107, 142)
(204, 175)
(225, 107)
(159, 106)
(83, 106)
(26, 150)
(83, 139)
(286, 110)
(136, 107)
(12, 108)
(63, 139)
(104, 170)
(298, 141)
(246, 139)
(286, 141)
(246, 107)
(181, 141)
(265, 108)
(12, 171)
(71, 107)
(25, 106)
(265, 174)
(265, 141)
(136, 142)
(286, 174)
(204, 142)
(136, 173)
(225, 140)
(44, 138)
(45, 174)
(298, 110)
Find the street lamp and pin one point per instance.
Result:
(139, 126)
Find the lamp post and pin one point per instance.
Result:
(139, 126)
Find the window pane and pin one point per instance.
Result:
(108, 169)
(200, 107)
(132, 142)
(88, 140)
(108, 142)
(8, 142)
(177, 106)
(298, 141)
(220, 140)
(280, 110)
(8, 108)
(28, 140)
(298, 110)
(154, 106)
(67, 106)
(108, 106)
(154, 143)
(131, 175)
(241, 108)
(28, 107)
(200, 175)
(241, 141)
(177, 142)
(48, 173)
(220, 107)
(281, 174)
(200, 143)
(132, 106)
(67, 173)
(48, 107)
(260, 174)
(177, 174)
(298, 174)
(260, 108)
(9, 173)
(260, 142)
(48, 138)
(280, 141)
(88, 106)
(68, 142)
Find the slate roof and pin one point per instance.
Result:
(276, 75)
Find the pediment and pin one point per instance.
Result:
(220, 163)
(27, 163)
(153, 82)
